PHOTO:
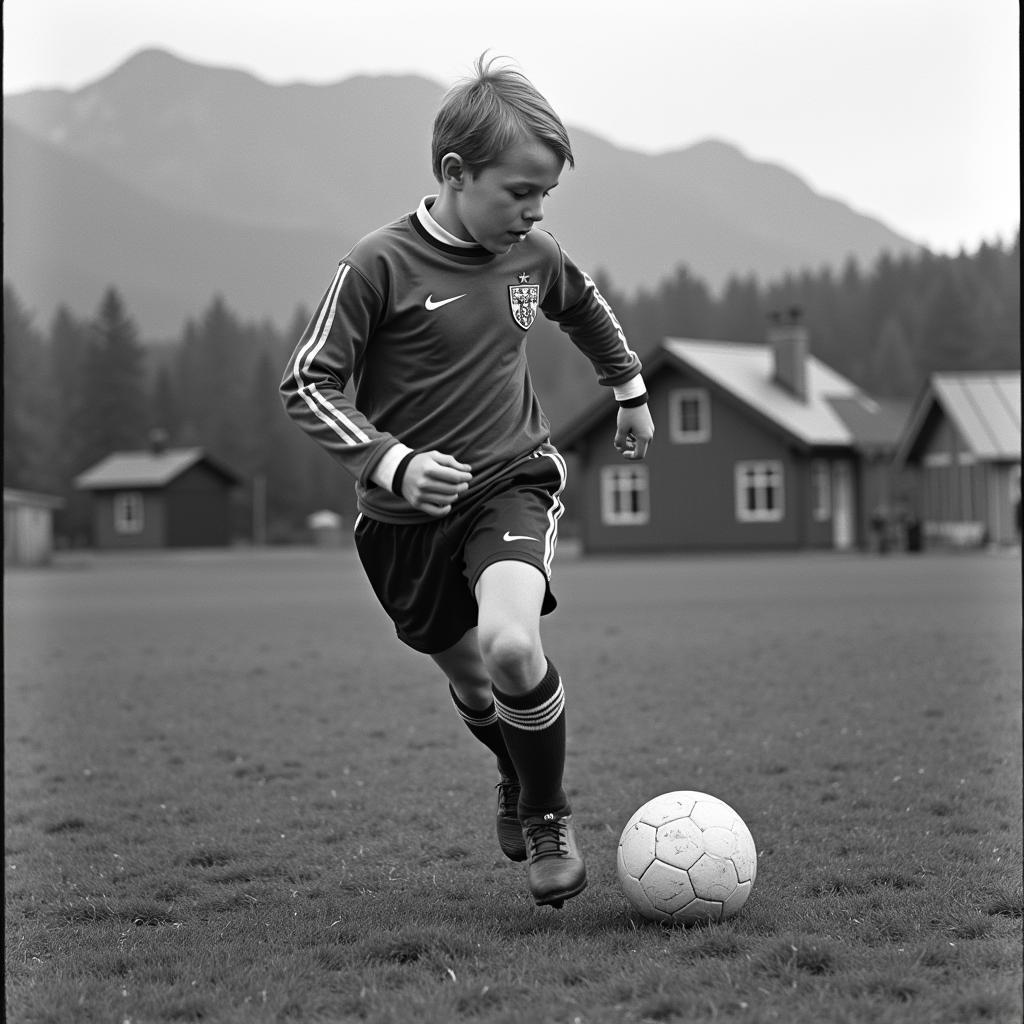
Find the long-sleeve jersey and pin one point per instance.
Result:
(433, 337)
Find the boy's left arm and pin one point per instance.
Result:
(576, 305)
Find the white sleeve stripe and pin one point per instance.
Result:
(328, 414)
(319, 406)
(320, 332)
(611, 315)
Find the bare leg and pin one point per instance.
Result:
(510, 595)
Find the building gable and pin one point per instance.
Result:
(981, 411)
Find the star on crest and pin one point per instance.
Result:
(524, 278)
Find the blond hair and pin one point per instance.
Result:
(481, 116)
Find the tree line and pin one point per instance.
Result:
(79, 389)
(887, 329)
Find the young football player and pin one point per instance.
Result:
(458, 485)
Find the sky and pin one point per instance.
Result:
(906, 109)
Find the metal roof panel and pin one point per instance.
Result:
(985, 409)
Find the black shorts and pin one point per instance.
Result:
(425, 574)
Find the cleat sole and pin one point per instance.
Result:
(556, 899)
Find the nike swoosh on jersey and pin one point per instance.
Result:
(511, 536)
(431, 304)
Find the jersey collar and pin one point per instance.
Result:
(440, 237)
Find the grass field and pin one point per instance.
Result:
(232, 796)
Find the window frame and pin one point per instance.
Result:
(676, 431)
(769, 479)
(618, 481)
(129, 513)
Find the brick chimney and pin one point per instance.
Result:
(158, 439)
(791, 345)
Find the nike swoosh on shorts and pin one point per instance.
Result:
(431, 304)
(510, 536)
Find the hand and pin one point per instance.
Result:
(433, 481)
(634, 431)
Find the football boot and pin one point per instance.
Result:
(510, 829)
(556, 870)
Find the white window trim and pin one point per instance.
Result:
(766, 469)
(822, 488)
(616, 480)
(676, 433)
(129, 512)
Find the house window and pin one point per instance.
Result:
(759, 492)
(821, 490)
(689, 414)
(625, 496)
(128, 512)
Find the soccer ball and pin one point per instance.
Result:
(686, 857)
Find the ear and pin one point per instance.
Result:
(453, 171)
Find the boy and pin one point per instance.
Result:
(458, 485)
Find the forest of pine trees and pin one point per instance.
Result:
(76, 390)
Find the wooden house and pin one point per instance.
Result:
(757, 447)
(160, 498)
(962, 443)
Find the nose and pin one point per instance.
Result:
(534, 212)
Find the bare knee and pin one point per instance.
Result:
(472, 688)
(513, 656)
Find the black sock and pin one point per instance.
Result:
(484, 726)
(534, 729)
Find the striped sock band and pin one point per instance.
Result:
(542, 707)
(471, 716)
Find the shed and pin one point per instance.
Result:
(28, 526)
(963, 444)
(325, 527)
(160, 498)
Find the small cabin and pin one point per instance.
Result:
(160, 498)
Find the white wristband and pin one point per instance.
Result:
(384, 472)
(631, 389)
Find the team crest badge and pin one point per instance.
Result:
(524, 298)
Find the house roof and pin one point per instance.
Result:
(984, 408)
(835, 413)
(875, 423)
(31, 499)
(145, 469)
(746, 371)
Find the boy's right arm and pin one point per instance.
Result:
(313, 393)
(314, 381)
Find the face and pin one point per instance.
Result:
(498, 206)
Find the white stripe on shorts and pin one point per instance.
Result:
(554, 513)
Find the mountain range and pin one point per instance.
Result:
(177, 182)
